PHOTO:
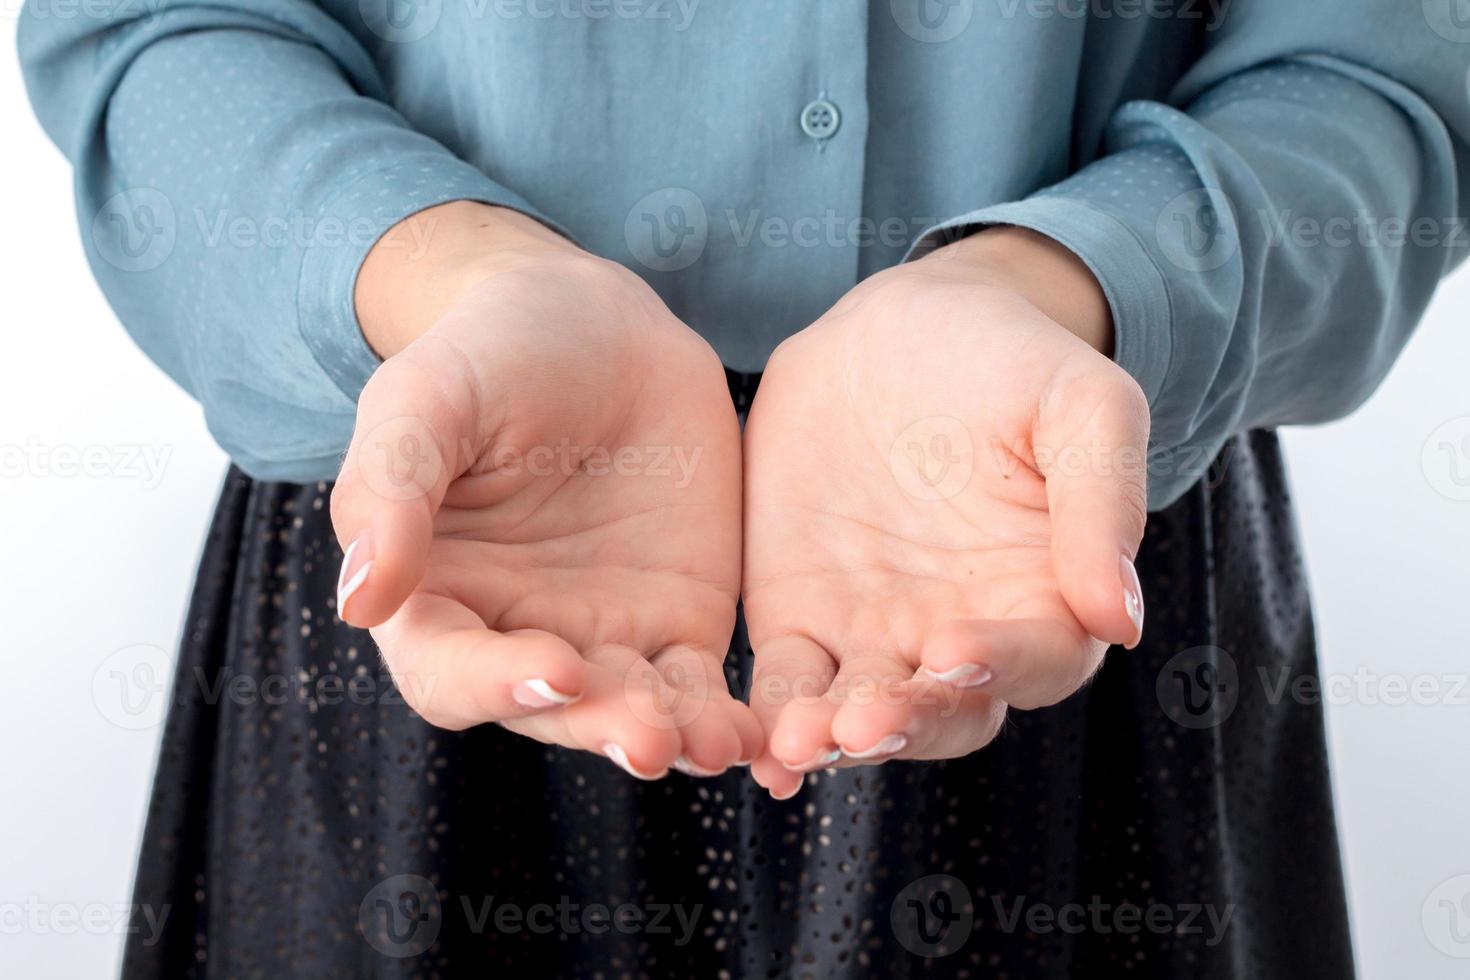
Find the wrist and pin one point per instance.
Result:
(424, 264)
(1043, 271)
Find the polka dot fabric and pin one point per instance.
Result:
(305, 823)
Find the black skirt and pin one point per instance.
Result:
(1174, 819)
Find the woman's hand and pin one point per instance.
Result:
(944, 494)
(541, 502)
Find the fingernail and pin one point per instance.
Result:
(536, 693)
(965, 675)
(821, 760)
(356, 564)
(685, 765)
(617, 755)
(786, 796)
(1132, 598)
(887, 745)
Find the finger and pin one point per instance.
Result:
(952, 724)
(878, 716)
(719, 731)
(939, 721)
(413, 418)
(1028, 663)
(628, 714)
(788, 671)
(1091, 444)
(456, 673)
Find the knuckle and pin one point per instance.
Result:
(1133, 500)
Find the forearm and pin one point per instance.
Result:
(231, 257)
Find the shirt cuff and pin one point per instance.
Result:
(1136, 290)
(347, 227)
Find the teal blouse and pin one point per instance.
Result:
(1268, 190)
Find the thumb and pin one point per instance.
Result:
(1091, 445)
(414, 422)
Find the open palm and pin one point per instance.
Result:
(544, 492)
(937, 522)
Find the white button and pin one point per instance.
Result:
(820, 119)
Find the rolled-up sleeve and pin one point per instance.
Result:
(235, 161)
(1269, 236)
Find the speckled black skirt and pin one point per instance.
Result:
(1172, 820)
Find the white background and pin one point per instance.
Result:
(94, 565)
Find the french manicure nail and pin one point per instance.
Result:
(965, 675)
(356, 564)
(536, 693)
(617, 755)
(823, 759)
(887, 745)
(685, 765)
(1132, 598)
